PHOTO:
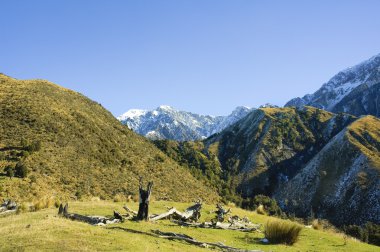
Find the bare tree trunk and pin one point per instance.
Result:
(192, 213)
(221, 212)
(93, 220)
(143, 212)
(188, 239)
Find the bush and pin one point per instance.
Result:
(38, 205)
(261, 210)
(23, 207)
(24, 154)
(43, 203)
(119, 198)
(316, 224)
(9, 171)
(280, 231)
(79, 194)
(34, 146)
(373, 233)
(270, 205)
(57, 202)
(369, 233)
(21, 170)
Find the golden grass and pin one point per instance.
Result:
(260, 210)
(85, 151)
(281, 231)
(364, 133)
(45, 231)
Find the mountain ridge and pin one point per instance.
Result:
(284, 152)
(354, 90)
(166, 122)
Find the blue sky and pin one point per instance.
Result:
(201, 56)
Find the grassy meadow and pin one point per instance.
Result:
(45, 231)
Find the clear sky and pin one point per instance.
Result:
(202, 56)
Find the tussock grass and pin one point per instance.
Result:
(316, 224)
(260, 210)
(280, 231)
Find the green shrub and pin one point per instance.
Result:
(316, 224)
(22, 208)
(369, 232)
(270, 205)
(79, 194)
(34, 146)
(260, 210)
(280, 231)
(21, 170)
(373, 233)
(24, 153)
(119, 198)
(9, 171)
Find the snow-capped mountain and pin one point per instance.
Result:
(166, 122)
(355, 90)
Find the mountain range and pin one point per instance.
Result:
(166, 122)
(319, 155)
(355, 90)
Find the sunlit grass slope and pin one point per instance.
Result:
(44, 230)
(84, 150)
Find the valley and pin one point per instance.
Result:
(305, 162)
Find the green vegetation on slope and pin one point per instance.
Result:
(364, 133)
(71, 147)
(203, 165)
(255, 155)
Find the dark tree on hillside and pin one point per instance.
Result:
(21, 170)
(35, 146)
(143, 212)
(9, 171)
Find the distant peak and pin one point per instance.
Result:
(165, 107)
(269, 105)
(132, 113)
(242, 108)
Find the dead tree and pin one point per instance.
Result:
(93, 220)
(238, 226)
(203, 244)
(8, 207)
(143, 212)
(221, 212)
(192, 213)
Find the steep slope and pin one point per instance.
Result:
(166, 122)
(354, 91)
(270, 145)
(342, 181)
(310, 160)
(82, 150)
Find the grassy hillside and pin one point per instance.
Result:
(364, 133)
(254, 155)
(44, 230)
(272, 144)
(72, 147)
(312, 161)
